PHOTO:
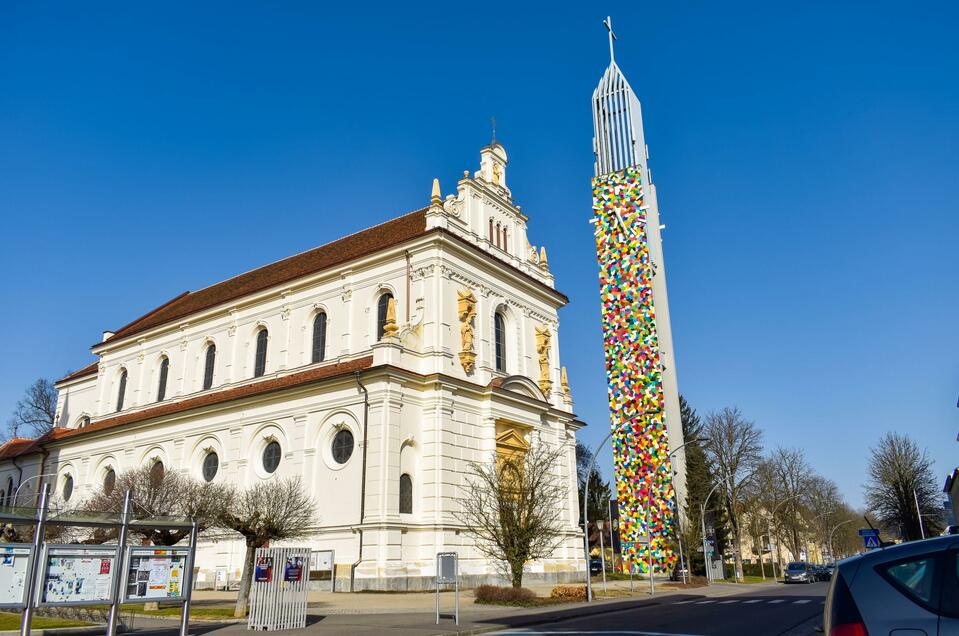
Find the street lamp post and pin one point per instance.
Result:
(832, 555)
(828, 512)
(702, 520)
(602, 552)
(17, 492)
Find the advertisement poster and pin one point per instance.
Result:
(263, 572)
(155, 574)
(293, 572)
(78, 575)
(14, 562)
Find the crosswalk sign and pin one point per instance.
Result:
(872, 542)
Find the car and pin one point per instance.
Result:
(799, 572)
(830, 569)
(950, 530)
(678, 573)
(595, 565)
(909, 588)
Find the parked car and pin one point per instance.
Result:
(825, 572)
(799, 572)
(913, 587)
(595, 565)
(678, 573)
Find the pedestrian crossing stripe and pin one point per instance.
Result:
(755, 600)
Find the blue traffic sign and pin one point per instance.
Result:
(872, 542)
(868, 532)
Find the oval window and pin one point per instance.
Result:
(342, 446)
(67, 488)
(109, 482)
(211, 464)
(271, 457)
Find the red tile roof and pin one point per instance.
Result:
(16, 447)
(370, 240)
(90, 369)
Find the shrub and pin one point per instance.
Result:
(569, 592)
(496, 595)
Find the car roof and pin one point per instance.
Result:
(904, 550)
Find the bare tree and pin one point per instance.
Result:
(900, 475)
(790, 477)
(156, 492)
(734, 446)
(513, 506)
(824, 504)
(36, 412)
(268, 511)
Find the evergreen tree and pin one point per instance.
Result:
(599, 491)
(699, 481)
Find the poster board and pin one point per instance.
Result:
(323, 561)
(15, 561)
(78, 575)
(155, 574)
(278, 591)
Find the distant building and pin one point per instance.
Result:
(446, 316)
(951, 488)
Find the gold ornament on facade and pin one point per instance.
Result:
(466, 309)
(390, 328)
(543, 338)
(564, 381)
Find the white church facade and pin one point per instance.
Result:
(374, 368)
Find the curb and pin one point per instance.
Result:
(57, 631)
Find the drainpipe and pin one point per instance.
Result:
(409, 277)
(366, 416)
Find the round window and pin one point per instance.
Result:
(271, 457)
(211, 464)
(67, 488)
(109, 482)
(342, 446)
(156, 473)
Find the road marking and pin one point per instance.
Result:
(728, 602)
(704, 602)
(804, 600)
(755, 600)
(692, 600)
(778, 600)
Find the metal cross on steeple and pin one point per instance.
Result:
(493, 124)
(608, 23)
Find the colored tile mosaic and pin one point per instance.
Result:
(644, 486)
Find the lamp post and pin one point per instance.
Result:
(769, 527)
(828, 512)
(922, 530)
(17, 492)
(832, 555)
(602, 552)
(702, 520)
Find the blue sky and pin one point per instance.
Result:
(805, 156)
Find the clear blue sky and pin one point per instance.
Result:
(806, 159)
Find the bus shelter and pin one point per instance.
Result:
(42, 574)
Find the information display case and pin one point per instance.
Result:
(15, 565)
(155, 574)
(78, 575)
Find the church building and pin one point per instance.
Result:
(375, 368)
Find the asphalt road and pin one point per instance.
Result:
(788, 610)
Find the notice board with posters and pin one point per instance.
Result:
(15, 560)
(155, 574)
(78, 575)
(278, 592)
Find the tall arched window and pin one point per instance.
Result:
(157, 470)
(499, 338)
(319, 337)
(259, 363)
(497, 234)
(164, 372)
(491, 229)
(10, 492)
(121, 391)
(208, 366)
(381, 307)
(504, 239)
(406, 494)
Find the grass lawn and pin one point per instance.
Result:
(195, 612)
(749, 579)
(12, 621)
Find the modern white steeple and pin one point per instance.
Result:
(618, 140)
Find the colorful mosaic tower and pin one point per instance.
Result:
(643, 393)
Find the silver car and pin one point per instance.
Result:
(910, 589)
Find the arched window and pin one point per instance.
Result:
(381, 307)
(109, 482)
(491, 229)
(211, 464)
(67, 487)
(504, 238)
(406, 494)
(208, 366)
(319, 337)
(499, 338)
(164, 372)
(122, 389)
(156, 473)
(84, 421)
(497, 234)
(10, 492)
(259, 364)
(271, 457)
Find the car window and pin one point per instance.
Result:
(949, 602)
(915, 577)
